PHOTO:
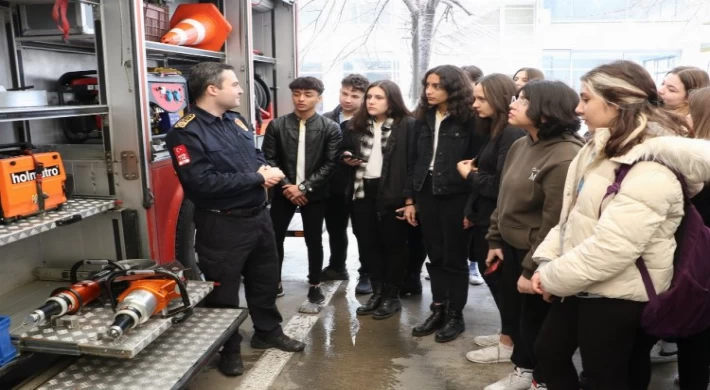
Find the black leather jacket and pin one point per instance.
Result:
(457, 141)
(323, 140)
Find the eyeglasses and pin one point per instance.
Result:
(521, 101)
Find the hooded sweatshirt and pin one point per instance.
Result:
(530, 196)
(596, 253)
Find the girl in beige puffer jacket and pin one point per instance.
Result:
(588, 258)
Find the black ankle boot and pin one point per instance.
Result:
(433, 323)
(390, 305)
(375, 300)
(452, 329)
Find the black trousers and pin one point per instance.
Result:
(446, 242)
(417, 251)
(522, 315)
(232, 247)
(313, 215)
(337, 216)
(615, 351)
(509, 299)
(478, 251)
(382, 238)
(693, 361)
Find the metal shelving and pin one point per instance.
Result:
(73, 211)
(51, 112)
(264, 59)
(182, 52)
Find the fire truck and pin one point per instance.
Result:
(99, 92)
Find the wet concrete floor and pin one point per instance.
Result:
(345, 351)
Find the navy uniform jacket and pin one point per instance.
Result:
(216, 161)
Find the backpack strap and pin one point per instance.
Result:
(613, 189)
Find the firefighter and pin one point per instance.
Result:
(226, 176)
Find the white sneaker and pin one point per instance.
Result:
(519, 379)
(474, 276)
(495, 354)
(676, 380)
(664, 352)
(487, 341)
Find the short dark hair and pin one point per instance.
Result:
(205, 74)
(473, 72)
(552, 108)
(356, 81)
(306, 83)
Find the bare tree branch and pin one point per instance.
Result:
(443, 16)
(458, 4)
(411, 6)
(365, 36)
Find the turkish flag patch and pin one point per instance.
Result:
(181, 154)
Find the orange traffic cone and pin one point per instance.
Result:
(198, 25)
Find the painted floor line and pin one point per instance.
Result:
(273, 361)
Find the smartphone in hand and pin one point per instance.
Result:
(493, 267)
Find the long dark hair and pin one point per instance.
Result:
(499, 89)
(630, 87)
(551, 108)
(457, 86)
(397, 110)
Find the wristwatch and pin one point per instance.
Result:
(302, 187)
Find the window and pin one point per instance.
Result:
(659, 67)
(365, 12)
(373, 69)
(569, 65)
(614, 10)
(313, 69)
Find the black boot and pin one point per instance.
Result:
(412, 285)
(230, 364)
(375, 299)
(433, 323)
(390, 306)
(453, 328)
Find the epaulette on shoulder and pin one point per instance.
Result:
(184, 121)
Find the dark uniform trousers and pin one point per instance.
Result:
(229, 247)
(313, 215)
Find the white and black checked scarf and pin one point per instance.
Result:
(366, 150)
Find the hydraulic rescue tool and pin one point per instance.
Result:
(69, 300)
(150, 292)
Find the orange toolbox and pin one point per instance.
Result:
(30, 183)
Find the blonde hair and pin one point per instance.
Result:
(629, 87)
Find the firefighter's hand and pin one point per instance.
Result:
(492, 255)
(269, 173)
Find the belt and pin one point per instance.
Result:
(242, 212)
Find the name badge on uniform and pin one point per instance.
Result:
(181, 155)
(241, 124)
